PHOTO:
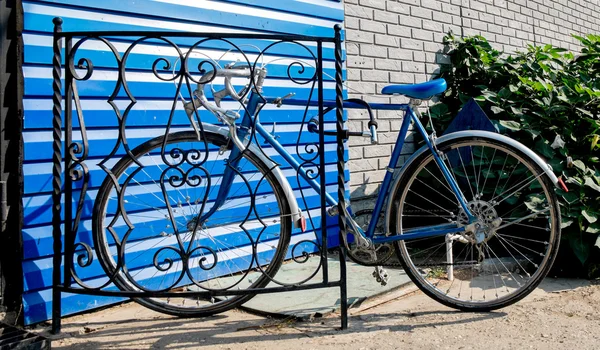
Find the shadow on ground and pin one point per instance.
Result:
(234, 328)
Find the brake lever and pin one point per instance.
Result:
(190, 107)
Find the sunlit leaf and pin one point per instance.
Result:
(591, 217)
(510, 124)
(591, 184)
(579, 165)
(565, 223)
(558, 142)
(496, 109)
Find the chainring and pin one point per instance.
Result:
(383, 252)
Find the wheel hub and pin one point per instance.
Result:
(487, 220)
(191, 224)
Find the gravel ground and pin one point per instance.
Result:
(561, 314)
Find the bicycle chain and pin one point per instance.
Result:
(398, 264)
(388, 264)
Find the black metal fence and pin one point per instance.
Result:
(163, 251)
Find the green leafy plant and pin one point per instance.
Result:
(548, 99)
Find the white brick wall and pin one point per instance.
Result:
(400, 41)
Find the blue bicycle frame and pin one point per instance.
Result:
(250, 121)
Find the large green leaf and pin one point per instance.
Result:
(516, 111)
(565, 222)
(504, 93)
(593, 228)
(536, 202)
(544, 148)
(580, 248)
(570, 197)
(579, 165)
(586, 112)
(438, 109)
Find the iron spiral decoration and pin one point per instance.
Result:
(181, 177)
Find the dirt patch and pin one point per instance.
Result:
(555, 316)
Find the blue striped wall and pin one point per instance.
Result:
(308, 17)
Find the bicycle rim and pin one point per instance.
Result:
(167, 248)
(513, 198)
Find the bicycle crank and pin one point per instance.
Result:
(362, 250)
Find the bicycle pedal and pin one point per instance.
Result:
(381, 275)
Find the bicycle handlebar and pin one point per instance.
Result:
(229, 116)
(228, 73)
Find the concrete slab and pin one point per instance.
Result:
(307, 304)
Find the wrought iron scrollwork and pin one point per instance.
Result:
(196, 197)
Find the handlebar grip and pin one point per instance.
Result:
(374, 139)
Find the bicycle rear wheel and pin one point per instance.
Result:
(147, 232)
(512, 198)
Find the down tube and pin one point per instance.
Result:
(288, 157)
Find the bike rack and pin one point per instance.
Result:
(72, 177)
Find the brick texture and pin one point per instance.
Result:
(400, 41)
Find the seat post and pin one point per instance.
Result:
(413, 103)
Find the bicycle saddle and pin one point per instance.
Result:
(420, 91)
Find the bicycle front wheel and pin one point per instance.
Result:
(512, 199)
(148, 235)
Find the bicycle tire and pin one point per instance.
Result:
(423, 274)
(102, 242)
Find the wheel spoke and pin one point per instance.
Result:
(522, 219)
(466, 173)
(489, 169)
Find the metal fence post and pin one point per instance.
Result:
(339, 101)
(56, 175)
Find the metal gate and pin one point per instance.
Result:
(178, 269)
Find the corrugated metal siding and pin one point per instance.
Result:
(310, 17)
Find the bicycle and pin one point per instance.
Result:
(446, 227)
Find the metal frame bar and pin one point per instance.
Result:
(449, 178)
(339, 101)
(409, 118)
(159, 34)
(56, 176)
